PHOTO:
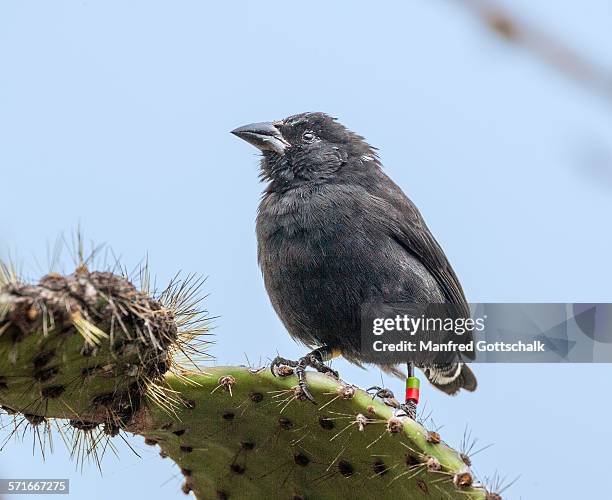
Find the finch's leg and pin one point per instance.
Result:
(412, 393)
(314, 359)
(385, 395)
(409, 407)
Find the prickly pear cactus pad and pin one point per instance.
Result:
(92, 349)
(246, 434)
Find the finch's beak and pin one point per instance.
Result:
(264, 136)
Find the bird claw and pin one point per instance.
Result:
(279, 361)
(300, 371)
(381, 392)
(409, 408)
(323, 368)
(312, 360)
(385, 395)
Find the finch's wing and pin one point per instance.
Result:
(405, 225)
(413, 235)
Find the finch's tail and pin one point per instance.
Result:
(451, 378)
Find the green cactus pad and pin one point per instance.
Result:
(248, 434)
(84, 347)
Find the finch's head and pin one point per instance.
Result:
(306, 148)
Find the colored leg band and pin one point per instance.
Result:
(412, 389)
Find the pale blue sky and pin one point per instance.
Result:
(116, 115)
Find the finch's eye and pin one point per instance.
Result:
(308, 136)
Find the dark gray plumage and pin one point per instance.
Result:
(335, 232)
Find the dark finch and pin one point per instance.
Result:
(334, 232)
